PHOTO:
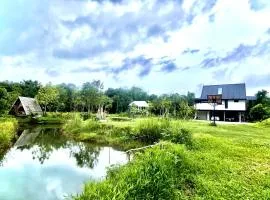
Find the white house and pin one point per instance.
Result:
(233, 107)
(139, 104)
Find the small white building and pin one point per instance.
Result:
(139, 104)
(232, 108)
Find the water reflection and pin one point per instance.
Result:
(43, 164)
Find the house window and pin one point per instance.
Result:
(219, 90)
(236, 101)
(226, 103)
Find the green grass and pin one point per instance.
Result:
(223, 162)
(8, 127)
(113, 134)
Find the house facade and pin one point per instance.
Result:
(233, 105)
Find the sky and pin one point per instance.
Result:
(161, 46)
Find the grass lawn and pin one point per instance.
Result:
(224, 162)
(233, 160)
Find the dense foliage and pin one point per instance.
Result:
(260, 109)
(91, 97)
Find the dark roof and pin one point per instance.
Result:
(251, 98)
(229, 91)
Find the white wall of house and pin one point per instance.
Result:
(237, 106)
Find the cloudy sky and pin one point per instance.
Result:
(161, 46)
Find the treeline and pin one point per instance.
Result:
(91, 97)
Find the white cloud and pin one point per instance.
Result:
(87, 34)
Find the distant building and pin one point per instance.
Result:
(25, 106)
(139, 104)
(232, 108)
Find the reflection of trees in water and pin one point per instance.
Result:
(51, 139)
(85, 155)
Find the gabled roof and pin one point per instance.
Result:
(139, 103)
(229, 91)
(30, 105)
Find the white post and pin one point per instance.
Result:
(240, 115)
(208, 115)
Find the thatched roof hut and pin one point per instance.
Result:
(25, 106)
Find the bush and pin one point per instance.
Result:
(151, 130)
(91, 125)
(178, 135)
(74, 125)
(258, 113)
(182, 136)
(77, 125)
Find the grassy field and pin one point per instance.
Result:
(223, 162)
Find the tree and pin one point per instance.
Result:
(190, 98)
(185, 111)
(258, 112)
(262, 98)
(3, 100)
(90, 95)
(30, 88)
(47, 95)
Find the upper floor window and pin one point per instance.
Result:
(236, 101)
(219, 90)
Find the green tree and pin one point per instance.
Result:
(258, 112)
(47, 95)
(30, 88)
(3, 100)
(262, 98)
(185, 111)
(190, 98)
(89, 95)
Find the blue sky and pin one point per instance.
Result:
(161, 46)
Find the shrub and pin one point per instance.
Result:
(258, 113)
(91, 125)
(74, 124)
(182, 136)
(151, 130)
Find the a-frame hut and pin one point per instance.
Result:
(25, 106)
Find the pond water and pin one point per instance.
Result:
(44, 165)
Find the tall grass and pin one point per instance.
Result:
(8, 129)
(156, 174)
(76, 124)
(151, 129)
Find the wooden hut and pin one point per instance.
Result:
(25, 106)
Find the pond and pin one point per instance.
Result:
(44, 165)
